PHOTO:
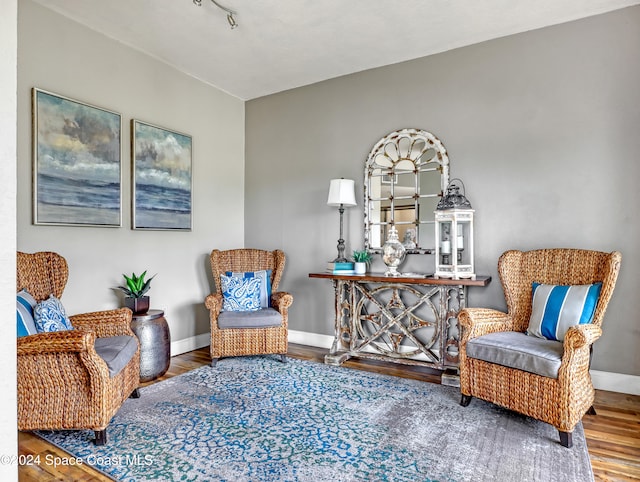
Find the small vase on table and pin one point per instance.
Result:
(393, 252)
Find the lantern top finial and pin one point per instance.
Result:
(453, 199)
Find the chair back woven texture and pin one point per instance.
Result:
(41, 274)
(559, 266)
(247, 259)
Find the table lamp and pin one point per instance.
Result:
(341, 194)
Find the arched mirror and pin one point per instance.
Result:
(405, 176)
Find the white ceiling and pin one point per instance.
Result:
(282, 44)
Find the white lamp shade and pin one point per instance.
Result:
(342, 191)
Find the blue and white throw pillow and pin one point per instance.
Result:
(557, 308)
(240, 294)
(25, 303)
(265, 287)
(50, 316)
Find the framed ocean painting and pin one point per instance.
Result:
(161, 187)
(77, 174)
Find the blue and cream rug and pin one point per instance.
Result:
(256, 419)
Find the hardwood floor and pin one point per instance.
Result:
(613, 435)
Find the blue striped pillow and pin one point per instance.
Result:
(240, 294)
(265, 287)
(25, 303)
(557, 308)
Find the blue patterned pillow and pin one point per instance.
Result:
(265, 287)
(25, 303)
(50, 316)
(557, 308)
(240, 294)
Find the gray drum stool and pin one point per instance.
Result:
(152, 330)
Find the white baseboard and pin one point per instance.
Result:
(310, 339)
(616, 382)
(612, 382)
(189, 344)
(300, 337)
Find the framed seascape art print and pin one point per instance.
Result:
(161, 186)
(77, 174)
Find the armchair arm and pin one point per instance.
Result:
(56, 342)
(213, 302)
(105, 323)
(581, 335)
(69, 348)
(577, 353)
(281, 301)
(59, 372)
(482, 321)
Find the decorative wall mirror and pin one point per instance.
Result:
(405, 176)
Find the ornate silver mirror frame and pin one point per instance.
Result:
(405, 175)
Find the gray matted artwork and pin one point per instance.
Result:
(77, 174)
(162, 190)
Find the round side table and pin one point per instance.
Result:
(152, 331)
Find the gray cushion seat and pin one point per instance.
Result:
(262, 318)
(116, 351)
(518, 350)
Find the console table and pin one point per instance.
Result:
(410, 319)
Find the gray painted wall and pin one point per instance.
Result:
(541, 126)
(64, 57)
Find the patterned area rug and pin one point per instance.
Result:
(256, 419)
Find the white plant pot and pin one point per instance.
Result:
(360, 268)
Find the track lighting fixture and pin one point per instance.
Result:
(230, 13)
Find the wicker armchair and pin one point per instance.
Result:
(62, 381)
(561, 401)
(239, 341)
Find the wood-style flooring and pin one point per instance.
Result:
(613, 435)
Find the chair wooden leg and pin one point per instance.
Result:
(283, 358)
(135, 394)
(565, 439)
(101, 437)
(591, 411)
(465, 400)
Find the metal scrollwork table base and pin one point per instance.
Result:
(409, 319)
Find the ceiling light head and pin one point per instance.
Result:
(232, 21)
(230, 13)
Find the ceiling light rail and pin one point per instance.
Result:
(230, 13)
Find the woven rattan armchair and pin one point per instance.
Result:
(239, 341)
(62, 382)
(561, 401)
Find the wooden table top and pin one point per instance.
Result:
(407, 278)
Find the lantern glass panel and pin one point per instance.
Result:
(446, 228)
(462, 239)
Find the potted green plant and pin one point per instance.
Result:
(361, 261)
(135, 292)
